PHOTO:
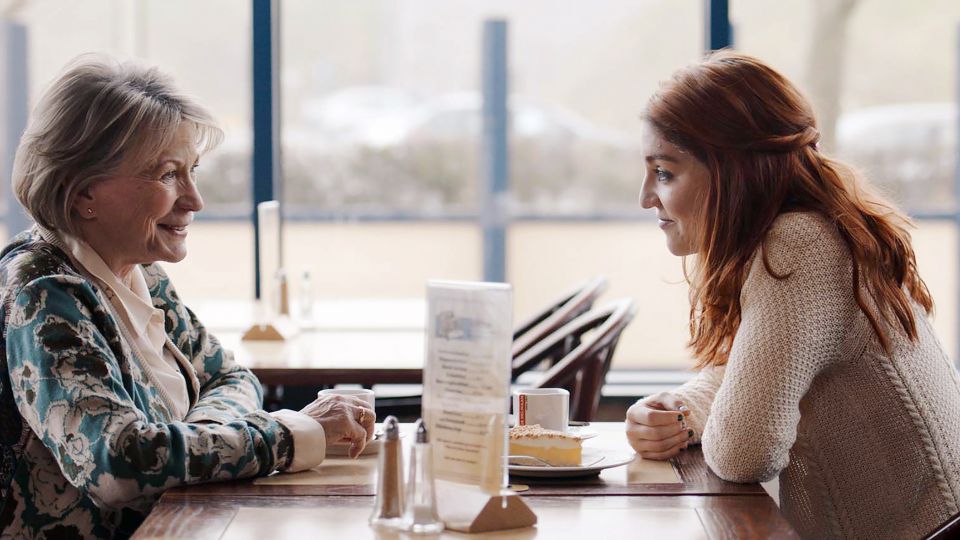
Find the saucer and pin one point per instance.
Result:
(372, 447)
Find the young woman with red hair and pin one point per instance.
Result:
(808, 318)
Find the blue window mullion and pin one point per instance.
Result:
(266, 117)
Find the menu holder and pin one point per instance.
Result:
(272, 320)
(473, 511)
(279, 329)
(270, 326)
(466, 386)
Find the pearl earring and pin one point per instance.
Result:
(90, 210)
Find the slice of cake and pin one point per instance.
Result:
(556, 448)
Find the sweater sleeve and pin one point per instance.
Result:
(698, 394)
(227, 389)
(72, 391)
(791, 329)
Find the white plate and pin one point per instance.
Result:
(584, 432)
(596, 461)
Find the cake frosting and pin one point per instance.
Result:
(556, 448)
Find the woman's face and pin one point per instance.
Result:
(141, 215)
(675, 183)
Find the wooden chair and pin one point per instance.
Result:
(948, 529)
(568, 307)
(583, 369)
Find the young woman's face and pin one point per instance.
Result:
(675, 183)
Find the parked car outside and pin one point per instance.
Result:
(383, 150)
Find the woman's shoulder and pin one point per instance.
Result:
(28, 258)
(799, 237)
(798, 230)
(803, 231)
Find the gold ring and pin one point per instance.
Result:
(363, 414)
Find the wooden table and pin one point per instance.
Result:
(354, 341)
(358, 314)
(328, 357)
(614, 504)
(674, 518)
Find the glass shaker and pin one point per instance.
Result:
(420, 507)
(306, 298)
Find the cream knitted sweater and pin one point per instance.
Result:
(867, 444)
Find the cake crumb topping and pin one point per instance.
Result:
(535, 431)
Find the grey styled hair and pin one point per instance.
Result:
(97, 116)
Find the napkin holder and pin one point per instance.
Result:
(470, 509)
(279, 329)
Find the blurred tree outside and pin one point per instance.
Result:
(825, 63)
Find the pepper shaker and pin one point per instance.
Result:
(388, 508)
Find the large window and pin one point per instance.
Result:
(382, 118)
(381, 101)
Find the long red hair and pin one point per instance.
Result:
(757, 135)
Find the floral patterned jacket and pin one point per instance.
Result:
(88, 442)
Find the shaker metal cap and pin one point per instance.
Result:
(421, 428)
(391, 428)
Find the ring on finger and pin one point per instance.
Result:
(363, 415)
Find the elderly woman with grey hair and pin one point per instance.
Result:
(111, 390)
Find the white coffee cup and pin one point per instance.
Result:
(549, 407)
(362, 393)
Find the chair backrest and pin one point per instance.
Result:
(584, 368)
(568, 307)
(948, 529)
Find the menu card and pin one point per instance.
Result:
(466, 380)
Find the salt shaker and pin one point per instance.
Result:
(388, 508)
(306, 297)
(420, 507)
(283, 293)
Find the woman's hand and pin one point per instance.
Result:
(657, 426)
(344, 419)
